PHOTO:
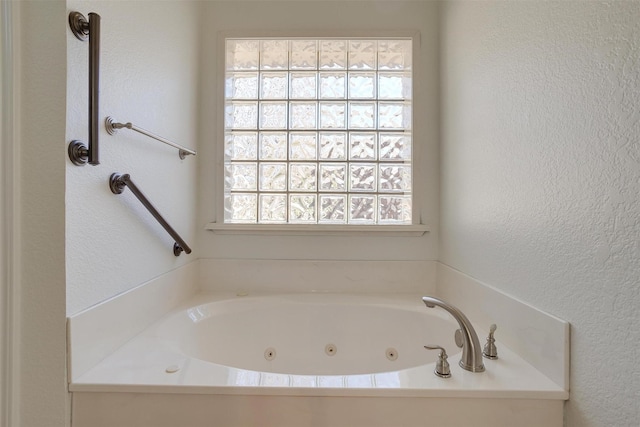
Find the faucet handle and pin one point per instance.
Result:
(442, 366)
(490, 351)
(459, 339)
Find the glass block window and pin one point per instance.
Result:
(318, 131)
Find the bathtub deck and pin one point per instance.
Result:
(126, 392)
(140, 366)
(507, 377)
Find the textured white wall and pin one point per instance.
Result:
(148, 76)
(328, 18)
(40, 397)
(541, 177)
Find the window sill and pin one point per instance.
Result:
(319, 230)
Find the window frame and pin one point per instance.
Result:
(415, 228)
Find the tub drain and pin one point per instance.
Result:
(270, 353)
(330, 349)
(392, 354)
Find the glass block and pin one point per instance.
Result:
(240, 208)
(273, 146)
(326, 121)
(273, 208)
(332, 208)
(362, 115)
(333, 54)
(333, 145)
(273, 115)
(303, 146)
(241, 86)
(395, 146)
(362, 209)
(362, 85)
(273, 177)
(394, 86)
(273, 85)
(393, 116)
(394, 54)
(333, 177)
(362, 54)
(302, 208)
(396, 209)
(241, 115)
(303, 85)
(240, 177)
(241, 145)
(332, 85)
(274, 54)
(395, 178)
(303, 115)
(242, 54)
(333, 115)
(362, 177)
(304, 55)
(362, 146)
(302, 177)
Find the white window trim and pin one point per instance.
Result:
(319, 229)
(417, 228)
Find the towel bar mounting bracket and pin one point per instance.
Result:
(79, 25)
(78, 152)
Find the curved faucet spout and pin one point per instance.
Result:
(471, 351)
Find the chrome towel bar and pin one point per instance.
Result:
(117, 182)
(78, 152)
(112, 126)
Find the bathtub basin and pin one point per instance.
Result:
(309, 334)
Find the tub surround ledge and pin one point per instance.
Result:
(538, 337)
(97, 332)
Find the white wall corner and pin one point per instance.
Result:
(538, 337)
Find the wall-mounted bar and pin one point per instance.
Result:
(117, 182)
(112, 126)
(78, 152)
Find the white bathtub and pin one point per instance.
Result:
(309, 334)
(292, 359)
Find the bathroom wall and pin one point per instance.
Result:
(37, 280)
(325, 18)
(6, 204)
(148, 76)
(541, 176)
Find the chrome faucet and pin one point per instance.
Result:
(466, 336)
